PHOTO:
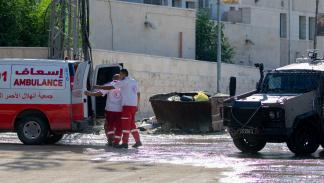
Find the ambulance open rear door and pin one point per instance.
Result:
(103, 74)
(80, 106)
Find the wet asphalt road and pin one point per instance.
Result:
(273, 164)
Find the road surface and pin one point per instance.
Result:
(163, 158)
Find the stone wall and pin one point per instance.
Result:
(163, 74)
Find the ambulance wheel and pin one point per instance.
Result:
(32, 130)
(53, 138)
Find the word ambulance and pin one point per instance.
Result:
(43, 99)
(39, 82)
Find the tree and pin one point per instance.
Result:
(206, 39)
(23, 23)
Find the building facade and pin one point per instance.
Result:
(142, 28)
(272, 32)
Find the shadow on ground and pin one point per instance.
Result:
(53, 156)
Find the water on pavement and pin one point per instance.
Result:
(273, 164)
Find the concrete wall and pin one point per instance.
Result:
(23, 52)
(262, 46)
(127, 32)
(161, 74)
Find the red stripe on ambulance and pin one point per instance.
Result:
(58, 115)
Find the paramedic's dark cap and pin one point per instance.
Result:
(124, 71)
(116, 77)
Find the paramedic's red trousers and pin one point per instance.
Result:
(113, 124)
(128, 123)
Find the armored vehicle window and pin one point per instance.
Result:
(290, 82)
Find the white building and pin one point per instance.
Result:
(259, 30)
(142, 28)
(190, 4)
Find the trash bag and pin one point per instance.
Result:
(186, 98)
(174, 98)
(201, 97)
(148, 124)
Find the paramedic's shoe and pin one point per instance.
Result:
(110, 142)
(115, 145)
(137, 144)
(122, 146)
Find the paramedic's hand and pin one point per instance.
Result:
(96, 87)
(87, 93)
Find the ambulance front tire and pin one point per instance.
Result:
(53, 138)
(32, 130)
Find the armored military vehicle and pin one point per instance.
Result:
(286, 107)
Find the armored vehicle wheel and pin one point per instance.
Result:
(32, 130)
(304, 140)
(249, 145)
(53, 138)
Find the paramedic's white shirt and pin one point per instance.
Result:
(114, 99)
(128, 88)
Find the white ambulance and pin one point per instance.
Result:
(39, 101)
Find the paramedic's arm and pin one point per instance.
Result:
(94, 94)
(138, 100)
(110, 87)
(104, 87)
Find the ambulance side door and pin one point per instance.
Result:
(103, 74)
(80, 109)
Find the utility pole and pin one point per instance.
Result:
(289, 31)
(316, 17)
(75, 30)
(57, 30)
(70, 38)
(68, 20)
(219, 46)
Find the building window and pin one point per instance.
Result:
(206, 3)
(155, 2)
(190, 5)
(201, 4)
(283, 25)
(311, 28)
(176, 3)
(302, 27)
(165, 3)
